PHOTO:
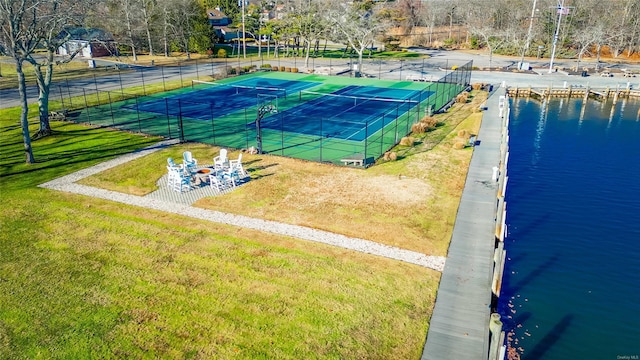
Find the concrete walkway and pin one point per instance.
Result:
(173, 203)
(459, 326)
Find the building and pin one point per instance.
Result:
(218, 18)
(87, 43)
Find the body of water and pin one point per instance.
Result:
(571, 286)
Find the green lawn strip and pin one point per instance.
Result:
(71, 71)
(88, 278)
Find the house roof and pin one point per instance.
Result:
(215, 14)
(86, 34)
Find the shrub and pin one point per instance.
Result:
(462, 98)
(458, 145)
(287, 69)
(390, 156)
(477, 86)
(265, 66)
(407, 141)
(275, 68)
(222, 53)
(430, 122)
(418, 128)
(464, 134)
(294, 70)
(282, 68)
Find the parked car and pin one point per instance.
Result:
(606, 74)
(628, 74)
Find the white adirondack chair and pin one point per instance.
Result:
(190, 163)
(236, 166)
(221, 161)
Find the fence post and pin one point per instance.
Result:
(395, 140)
(86, 106)
(113, 120)
(69, 94)
(321, 137)
(213, 129)
(61, 97)
(144, 88)
(281, 131)
(164, 87)
(138, 114)
(381, 134)
(166, 109)
(120, 77)
(366, 141)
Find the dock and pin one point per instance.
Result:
(574, 92)
(459, 326)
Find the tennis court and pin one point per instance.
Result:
(350, 113)
(218, 98)
(307, 116)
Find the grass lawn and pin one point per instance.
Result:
(67, 71)
(88, 278)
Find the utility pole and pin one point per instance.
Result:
(562, 10)
(244, 40)
(526, 46)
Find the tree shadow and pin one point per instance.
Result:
(549, 340)
(539, 270)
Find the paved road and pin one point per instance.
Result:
(128, 76)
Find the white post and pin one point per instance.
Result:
(555, 36)
(526, 46)
(495, 327)
(244, 38)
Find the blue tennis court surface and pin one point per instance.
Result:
(209, 101)
(351, 113)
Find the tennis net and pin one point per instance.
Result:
(307, 95)
(280, 92)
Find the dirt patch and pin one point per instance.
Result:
(356, 187)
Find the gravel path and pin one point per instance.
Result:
(68, 184)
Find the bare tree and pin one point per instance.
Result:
(483, 25)
(54, 17)
(309, 27)
(185, 18)
(125, 23)
(148, 8)
(165, 14)
(19, 37)
(357, 25)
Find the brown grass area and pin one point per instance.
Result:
(410, 203)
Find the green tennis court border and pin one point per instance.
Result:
(237, 130)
